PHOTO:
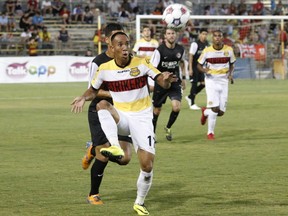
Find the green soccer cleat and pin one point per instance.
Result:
(140, 209)
(112, 152)
(168, 133)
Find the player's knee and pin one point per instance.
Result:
(157, 111)
(103, 104)
(215, 109)
(147, 168)
(124, 161)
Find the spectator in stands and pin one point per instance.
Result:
(32, 5)
(3, 22)
(134, 6)
(152, 27)
(96, 39)
(24, 36)
(280, 8)
(232, 9)
(88, 15)
(166, 3)
(78, 13)
(18, 8)
(224, 10)
(37, 20)
(263, 33)
(258, 8)
(159, 8)
(57, 7)
(227, 40)
(242, 8)
(63, 38)
(45, 41)
(11, 22)
(46, 7)
(25, 21)
(65, 15)
(124, 16)
(32, 45)
(114, 8)
(88, 52)
(126, 5)
(10, 6)
(213, 10)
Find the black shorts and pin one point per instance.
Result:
(197, 76)
(97, 135)
(160, 95)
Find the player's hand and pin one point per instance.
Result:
(230, 77)
(77, 104)
(170, 77)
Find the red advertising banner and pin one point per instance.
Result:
(256, 51)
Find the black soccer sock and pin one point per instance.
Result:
(154, 121)
(193, 92)
(172, 119)
(97, 172)
(199, 88)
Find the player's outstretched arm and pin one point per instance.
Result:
(78, 102)
(165, 79)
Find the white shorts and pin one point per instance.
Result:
(139, 126)
(217, 92)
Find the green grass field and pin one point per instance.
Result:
(243, 172)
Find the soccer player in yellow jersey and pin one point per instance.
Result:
(145, 47)
(126, 78)
(217, 63)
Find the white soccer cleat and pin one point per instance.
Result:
(195, 107)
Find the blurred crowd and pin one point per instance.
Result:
(28, 17)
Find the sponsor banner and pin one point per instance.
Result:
(44, 69)
(256, 51)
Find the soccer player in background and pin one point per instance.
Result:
(219, 62)
(99, 140)
(145, 47)
(126, 77)
(196, 77)
(167, 57)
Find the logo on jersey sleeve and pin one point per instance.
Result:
(134, 72)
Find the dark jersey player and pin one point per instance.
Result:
(168, 57)
(196, 77)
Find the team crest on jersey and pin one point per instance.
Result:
(178, 55)
(147, 60)
(226, 53)
(134, 71)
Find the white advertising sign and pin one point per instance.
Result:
(44, 69)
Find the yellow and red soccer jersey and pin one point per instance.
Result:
(145, 48)
(217, 60)
(128, 86)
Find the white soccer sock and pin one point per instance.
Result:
(212, 116)
(144, 183)
(109, 127)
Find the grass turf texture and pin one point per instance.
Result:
(242, 172)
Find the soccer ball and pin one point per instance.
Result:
(175, 16)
